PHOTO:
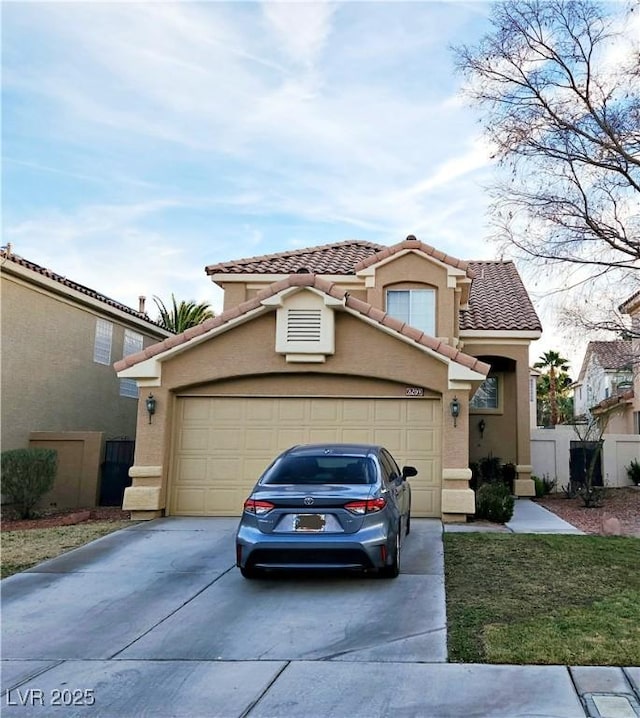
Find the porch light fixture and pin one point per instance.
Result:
(151, 406)
(455, 409)
(482, 425)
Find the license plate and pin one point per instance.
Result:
(309, 522)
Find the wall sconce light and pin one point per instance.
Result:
(455, 410)
(151, 406)
(482, 425)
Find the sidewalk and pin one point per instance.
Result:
(528, 518)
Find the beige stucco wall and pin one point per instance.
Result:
(49, 379)
(79, 456)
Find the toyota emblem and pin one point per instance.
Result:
(308, 500)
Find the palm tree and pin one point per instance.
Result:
(183, 315)
(552, 361)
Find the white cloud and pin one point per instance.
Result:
(301, 28)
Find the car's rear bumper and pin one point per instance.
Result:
(366, 549)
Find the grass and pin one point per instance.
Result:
(23, 549)
(571, 600)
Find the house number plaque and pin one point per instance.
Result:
(414, 391)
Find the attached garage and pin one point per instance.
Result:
(222, 444)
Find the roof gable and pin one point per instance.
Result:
(412, 244)
(262, 302)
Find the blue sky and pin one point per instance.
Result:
(143, 141)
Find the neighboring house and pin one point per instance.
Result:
(632, 307)
(605, 377)
(404, 346)
(59, 341)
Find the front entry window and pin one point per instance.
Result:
(416, 307)
(487, 395)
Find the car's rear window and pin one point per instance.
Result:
(321, 469)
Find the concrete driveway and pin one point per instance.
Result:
(155, 620)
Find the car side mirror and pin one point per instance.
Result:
(408, 471)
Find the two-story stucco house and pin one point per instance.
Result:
(400, 345)
(605, 376)
(632, 307)
(59, 341)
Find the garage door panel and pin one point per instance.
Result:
(290, 436)
(259, 439)
(324, 411)
(291, 411)
(225, 440)
(194, 439)
(191, 470)
(389, 412)
(190, 501)
(196, 410)
(425, 502)
(223, 502)
(355, 436)
(354, 412)
(224, 444)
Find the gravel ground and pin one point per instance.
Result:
(62, 518)
(622, 504)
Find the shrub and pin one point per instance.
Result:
(494, 502)
(544, 485)
(27, 474)
(633, 471)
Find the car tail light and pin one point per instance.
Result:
(259, 508)
(366, 507)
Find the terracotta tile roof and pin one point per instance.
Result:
(326, 286)
(626, 397)
(498, 300)
(614, 355)
(7, 256)
(338, 258)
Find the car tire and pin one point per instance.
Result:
(408, 530)
(248, 572)
(393, 570)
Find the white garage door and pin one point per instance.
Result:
(222, 445)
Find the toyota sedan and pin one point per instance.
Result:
(327, 506)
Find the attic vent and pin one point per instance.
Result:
(304, 325)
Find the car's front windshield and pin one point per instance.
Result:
(321, 469)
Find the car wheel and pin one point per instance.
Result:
(248, 572)
(394, 569)
(408, 523)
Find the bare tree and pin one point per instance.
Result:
(559, 85)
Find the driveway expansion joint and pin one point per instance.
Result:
(169, 615)
(254, 703)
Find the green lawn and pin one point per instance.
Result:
(552, 599)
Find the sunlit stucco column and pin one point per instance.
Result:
(146, 497)
(458, 500)
(524, 484)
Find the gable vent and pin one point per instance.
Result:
(304, 325)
